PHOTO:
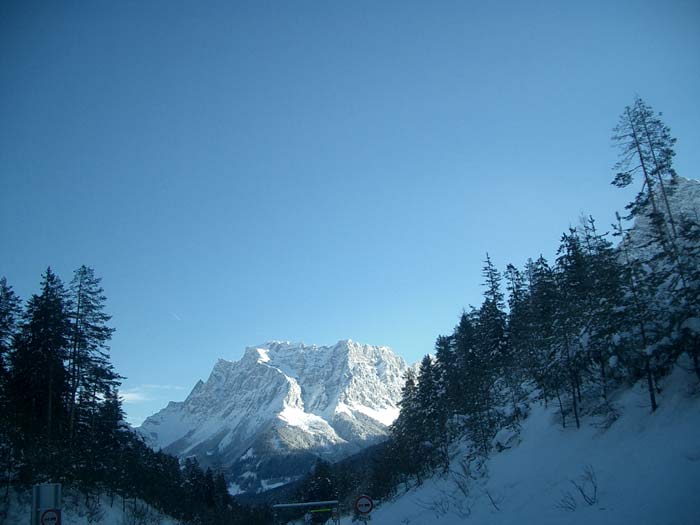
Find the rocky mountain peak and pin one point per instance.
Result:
(281, 405)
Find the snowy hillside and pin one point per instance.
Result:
(684, 201)
(630, 462)
(266, 417)
(644, 469)
(103, 510)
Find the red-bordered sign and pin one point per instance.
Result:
(51, 517)
(364, 504)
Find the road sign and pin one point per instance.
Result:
(51, 517)
(364, 504)
(46, 504)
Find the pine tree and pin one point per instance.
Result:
(406, 432)
(38, 377)
(91, 374)
(488, 361)
(519, 330)
(492, 317)
(604, 316)
(573, 291)
(444, 370)
(432, 414)
(464, 342)
(543, 300)
(646, 146)
(320, 485)
(646, 321)
(9, 315)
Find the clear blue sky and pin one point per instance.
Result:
(313, 171)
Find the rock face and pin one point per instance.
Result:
(265, 418)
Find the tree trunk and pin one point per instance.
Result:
(640, 155)
(561, 409)
(49, 418)
(603, 379)
(578, 388)
(661, 181)
(75, 372)
(575, 402)
(650, 384)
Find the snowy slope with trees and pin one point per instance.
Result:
(642, 469)
(573, 397)
(61, 420)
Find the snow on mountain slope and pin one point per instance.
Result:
(266, 417)
(684, 201)
(646, 467)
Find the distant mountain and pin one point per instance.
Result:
(265, 419)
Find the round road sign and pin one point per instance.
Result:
(51, 517)
(364, 504)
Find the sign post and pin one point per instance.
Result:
(46, 504)
(363, 506)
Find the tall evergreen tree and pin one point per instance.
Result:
(519, 338)
(90, 374)
(543, 300)
(574, 288)
(432, 414)
(406, 432)
(644, 339)
(9, 316)
(604, 315)
(646, 147)
(38, 376)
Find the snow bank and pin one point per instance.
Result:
(644, 469)
(108, 511)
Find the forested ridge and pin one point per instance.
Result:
(598, 317)
(62, 419)
(615, 308)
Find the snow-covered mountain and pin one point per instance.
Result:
(265, 418)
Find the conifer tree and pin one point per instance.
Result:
(406, 430)
(646, 147)
(646, 321)
(88, 358)
(573, 285)
(489, 360)
(464, 342)
(544, 297)
(604, 316)
(518, 334)
(38, 377)
(445, 371)
(432, 414)
(9, 315)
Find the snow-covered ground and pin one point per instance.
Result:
(109, 511)
(646, 469)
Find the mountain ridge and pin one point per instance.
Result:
(264, 418)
